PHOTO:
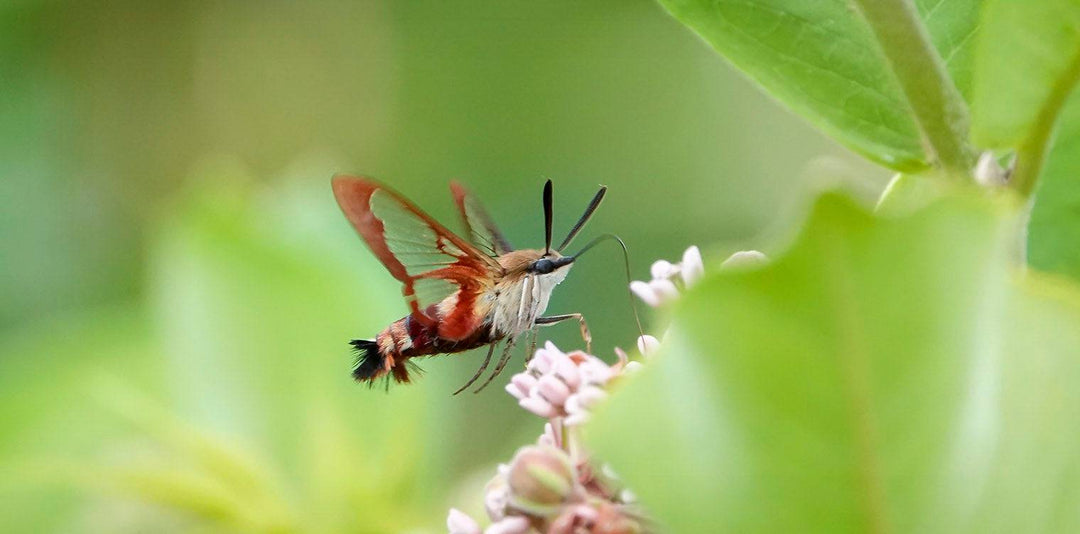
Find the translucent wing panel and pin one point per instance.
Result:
(430, 261)
(480, 228)
(418, 246)
(430, 291)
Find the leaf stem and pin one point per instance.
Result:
(1031, 154)
(938, 108)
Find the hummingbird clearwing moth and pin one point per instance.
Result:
(461, 293)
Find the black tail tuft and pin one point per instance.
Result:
(368, 359)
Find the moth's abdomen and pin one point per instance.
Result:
(403, 339)
(370, 362)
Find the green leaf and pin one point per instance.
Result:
(953, 25)
(1028, 58)
(822, 60)
(884, 375)
(1054, 231)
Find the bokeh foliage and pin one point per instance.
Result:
(179, 284)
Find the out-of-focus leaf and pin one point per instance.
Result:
(1028, 54)
(1028, 409)
(257, 296)
(822, 60)
(883, 375)
(48, 422)
(1054, 231)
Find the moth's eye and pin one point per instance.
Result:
(543, 266)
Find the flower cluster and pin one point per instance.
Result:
(555, 486)
(565, 386)
(667, 276)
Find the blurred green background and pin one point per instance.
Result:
(179, 284)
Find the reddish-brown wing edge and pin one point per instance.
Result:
(498, 241)
(353, 194)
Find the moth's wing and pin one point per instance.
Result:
(478, 225)
(430, 261)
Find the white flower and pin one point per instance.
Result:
(692, 268)
(663, 288)
(647, 344)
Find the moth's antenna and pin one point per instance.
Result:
(547, 217)
(593, 204)
(626, 264)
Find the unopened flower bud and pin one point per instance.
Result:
(497, 494)
(692, 267)
(539, 406)
(541, 479)
(459, 523)
(663, 269)
(509, 525)
(647, 344)
(645, 292)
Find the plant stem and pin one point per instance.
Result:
(938, 108)
(1031, 154)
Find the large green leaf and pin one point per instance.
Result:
(822, 60)
(953, 25)
(883, 375)
(1054, 232)
(1028, 56)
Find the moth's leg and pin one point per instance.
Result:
(480, 371)
(585, 334)
(502, 363)
(532, 345)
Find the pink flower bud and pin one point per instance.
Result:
(538, 406)
(568, 372)
(522, 383)
(590, 396)
(577, 418)
(542, 362)
(497, 494)
(459, 523)
(509, 525)
(541, 479)
(553, 390)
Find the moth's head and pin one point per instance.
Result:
(536, 262)
(549, 263)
